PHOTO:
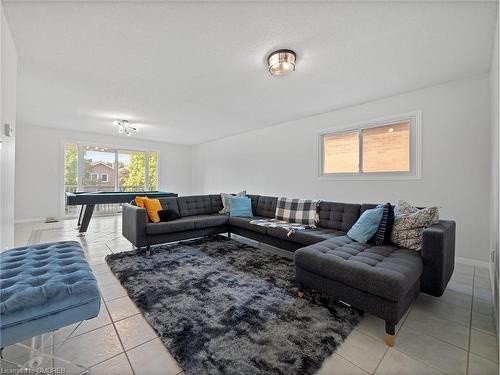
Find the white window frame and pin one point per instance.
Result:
(107, 177)
(94, 177)
(415, 173)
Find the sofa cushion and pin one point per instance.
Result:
(244, 222)
(305, 237)
(266, 206)
(216, 202)
(168, 215)
(387, 271)
(170, 203)
(255, 200)
(194, 205)
(367, 206)
(207, 221)
(179, 225)
(338, 216)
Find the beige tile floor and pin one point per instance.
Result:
(454, 334)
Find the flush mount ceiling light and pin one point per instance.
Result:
(281, 62)
(125, 127)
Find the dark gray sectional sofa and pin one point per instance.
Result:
(381, 280)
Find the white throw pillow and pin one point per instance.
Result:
(226, 206)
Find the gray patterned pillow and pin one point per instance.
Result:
(404, 208)
(410, 223)
(226, 199)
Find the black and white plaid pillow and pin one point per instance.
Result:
(383, 234)
(300, 211)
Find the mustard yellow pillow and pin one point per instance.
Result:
(139, 201)
(152, 208)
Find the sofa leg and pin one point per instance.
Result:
(390, 334)
(148, 250)
(228, 234)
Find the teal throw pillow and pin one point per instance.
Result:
(367, 225)
(240, 207)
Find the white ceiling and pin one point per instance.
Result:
(192, 72)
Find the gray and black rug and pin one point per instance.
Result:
(223, 307)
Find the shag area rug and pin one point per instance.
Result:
(224, 307)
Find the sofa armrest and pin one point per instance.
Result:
(438, 253)
(134, 224)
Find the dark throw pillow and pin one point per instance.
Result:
(168, 215)
(383, 234)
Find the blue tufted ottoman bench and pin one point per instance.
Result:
(43, 288)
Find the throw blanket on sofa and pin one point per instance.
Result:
(285, 225)
(299, 211)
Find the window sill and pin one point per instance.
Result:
(364, 177)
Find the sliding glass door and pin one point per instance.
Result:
(92, 168)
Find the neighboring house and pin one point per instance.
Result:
(102, 175)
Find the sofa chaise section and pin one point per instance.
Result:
(381, 280)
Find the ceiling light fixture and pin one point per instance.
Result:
(281, 62)
(125, 127)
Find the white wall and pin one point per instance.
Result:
(39, 165)
(282, 160)
(8, 116)
(494, 235)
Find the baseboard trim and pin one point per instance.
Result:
(29, 220)
(473, 262)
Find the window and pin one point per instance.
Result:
(341, 153)
(381, 149)
(92, 168)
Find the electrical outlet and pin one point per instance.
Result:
(492, 256)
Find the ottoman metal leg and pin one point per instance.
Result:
(38, 358)
(37, 350)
